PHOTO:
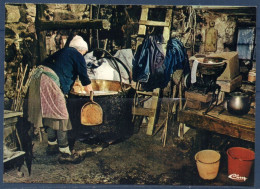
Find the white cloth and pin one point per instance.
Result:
(194, 71)
(126, 56)
(104, 72)
(78, 43)
(53, 143)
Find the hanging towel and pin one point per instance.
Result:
(194, 71)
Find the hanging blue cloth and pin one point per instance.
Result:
(148, 63)
(152, 68)
(176, 58)
(141, 69)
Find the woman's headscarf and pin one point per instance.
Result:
(78, 43)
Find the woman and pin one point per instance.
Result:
(50, 84)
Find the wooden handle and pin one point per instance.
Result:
(91, 96)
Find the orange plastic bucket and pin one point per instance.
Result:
(207, 164)
(240, 161)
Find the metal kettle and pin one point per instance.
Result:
(238, 103)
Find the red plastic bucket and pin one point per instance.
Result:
(240, 161)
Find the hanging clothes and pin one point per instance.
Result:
(148, 63)
(176, 58)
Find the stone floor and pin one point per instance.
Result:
(138, 160)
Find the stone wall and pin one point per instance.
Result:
(20, 42)
(21, 47)
(184, 19)
(56, 40)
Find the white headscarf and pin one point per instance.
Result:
(78, 43)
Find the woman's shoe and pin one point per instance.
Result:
(65, 158)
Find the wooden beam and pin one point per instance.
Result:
(167, 28)
(73, 24)
(144, 16)
(154, 23)
(41, 35)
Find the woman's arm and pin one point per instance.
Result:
(88, 88)
(82, 72)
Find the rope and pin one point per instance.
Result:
(192, 27)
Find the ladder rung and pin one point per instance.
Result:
(154, 23)
(147, 93)
(143, 111)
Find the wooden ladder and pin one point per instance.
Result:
(144, 22)
(141, 96)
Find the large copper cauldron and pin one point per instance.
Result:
(116, 102)
(102, 87)
(106, 85)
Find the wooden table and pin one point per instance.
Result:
(242, 127)
(10, 132)
(11, 138)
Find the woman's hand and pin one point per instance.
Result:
(88, 88)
